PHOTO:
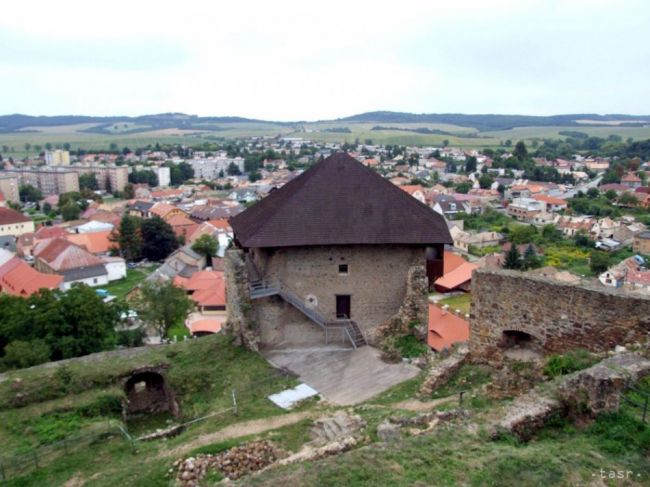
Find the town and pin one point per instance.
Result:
(167, 245)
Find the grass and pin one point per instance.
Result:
(466, 137)
(453, 456)
(460, 301)
(121, 287)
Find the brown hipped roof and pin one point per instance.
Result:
(339, 201)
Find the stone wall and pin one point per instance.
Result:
(376, 279)
(241, 322)
(558, 316)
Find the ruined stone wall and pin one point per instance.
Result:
(241, 321)
(558, 316)
(376, 280)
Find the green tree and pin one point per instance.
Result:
(463, 188)
(628, 199)
(158, 239)
(128, 238)
(592, 193)
(88, 181)
(129, 192)
(520, 151)
(513, 258)
(206, 245)
(70, 211)
(29, 193)
(531, 260)
(233, 169)
(20, 354)
(27, 146)
(162, 305)
(485, 181)
(470, 164)
(522, 234)
(598, 261)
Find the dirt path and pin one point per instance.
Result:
(252, 427)
(417, 405)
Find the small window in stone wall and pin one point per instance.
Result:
(343, 269)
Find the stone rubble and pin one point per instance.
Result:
(392, 428)
(591, 391)
(441, 371)
(233, 463)
(335, 427)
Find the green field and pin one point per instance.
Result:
(458, 136)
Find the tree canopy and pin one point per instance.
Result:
(162, 305)
(158, 239)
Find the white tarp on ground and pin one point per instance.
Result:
(287, 399)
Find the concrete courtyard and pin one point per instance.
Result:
(342, 376)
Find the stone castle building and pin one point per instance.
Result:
(335, 254)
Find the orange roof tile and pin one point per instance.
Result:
(19, 279)
(61, 254)
(458, 276)
(451, 261)
(94, 242)
(550, 200)
(445, 328)
(207, 325)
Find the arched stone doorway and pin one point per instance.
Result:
(147, 393)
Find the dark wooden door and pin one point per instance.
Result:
(343, 302)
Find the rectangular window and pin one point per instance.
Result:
(343, 269)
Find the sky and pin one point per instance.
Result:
(318, 60)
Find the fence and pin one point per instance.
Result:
(27, 461)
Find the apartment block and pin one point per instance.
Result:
(9, 188)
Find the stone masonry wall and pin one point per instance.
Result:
(558, 316)
(376, 280)
(241, 321)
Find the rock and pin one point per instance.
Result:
(338, 426)
(388, 431)
(598, 389)
(441, 371)
(620, 349)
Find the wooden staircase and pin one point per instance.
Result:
(262, 288)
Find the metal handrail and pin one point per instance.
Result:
(260, 285)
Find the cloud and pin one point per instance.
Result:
(289, 60)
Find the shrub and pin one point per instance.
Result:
(572, 361)
(410, 346)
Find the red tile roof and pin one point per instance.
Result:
(550, 200)
(445, 328)
(455, 278)
(451, 261)
(19, 279)
(94, 242)
(208, 287)
(61, 254)
(8, 216)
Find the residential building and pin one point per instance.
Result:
(9, 188)
(20, 279)
(449, 206)
(552, 203)
(525, 209)
(49, 181)
(73, 262)
(631, 180)
(109, 178)
(163, 174)
(322, 238)
(14, 223)
(57, 158)
(641, 243)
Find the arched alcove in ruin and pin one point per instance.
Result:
(519, 345)
(148, 393)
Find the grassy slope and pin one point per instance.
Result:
(204, 372)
